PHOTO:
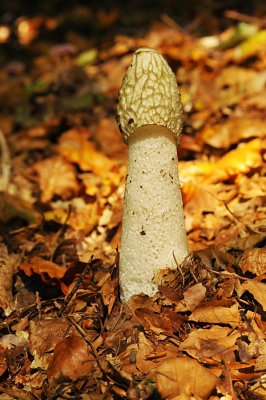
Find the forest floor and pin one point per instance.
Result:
(64, 332)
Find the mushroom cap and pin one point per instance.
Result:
(149, 95)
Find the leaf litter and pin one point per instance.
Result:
(64, 332)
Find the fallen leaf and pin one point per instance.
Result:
(245, 157)
(110, 140)
(217, 343)
(3, 361)
(192, 297)
(250, 47)
(241, 160)
(254, 261)
(56, 177)
(257, 289)
(43, 267)
(182, 378)
(7, 270)
(217, 312)
(72, 359)
(75, 146)
(12, 206)
(232, 131)
(82, 217)
(43, 337)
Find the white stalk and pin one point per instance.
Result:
(153, 224)
(153, 230)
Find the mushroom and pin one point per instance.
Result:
(149, 116)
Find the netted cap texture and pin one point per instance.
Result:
(149, 95)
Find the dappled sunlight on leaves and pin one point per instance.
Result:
(64, 331)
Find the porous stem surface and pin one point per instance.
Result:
(153, 223)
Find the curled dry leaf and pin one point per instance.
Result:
(75, 146)
(240, 160)
(258, 290)
(232, 131)
(71, 358)
(192, 297)
(56, 176)
(184, 378)
(254, 261)
(217, 312)
(43, 267)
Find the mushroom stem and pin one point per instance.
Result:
(153, 224)
(149, 115)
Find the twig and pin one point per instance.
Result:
(261, 22)
(94, 352)
(179, 269)
(75, 288)
(5, 162)
(228, 274)
(238, 220)
(60, 233)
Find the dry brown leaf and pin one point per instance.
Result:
(71, 358)
(217, 343)
(257, 289)
(232, 131)
(43, 267)
(254, 261)
(76, 147)
(182, 378)
(217, 312)
(251, 186)
(56, 177)
(7, 270)
(43, 336)
(3, 360)
(83, 216)
(241, 160)
(192, 298)
(13, 206)
(153, 321)
(109, 139)
(108, 292)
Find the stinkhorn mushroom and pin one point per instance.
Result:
(150, 118)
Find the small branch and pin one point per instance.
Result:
(179, 269)
(5, 162)
(75, 288)
(261, 22)
(228, 274)
(60, 233)
(94, 352)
